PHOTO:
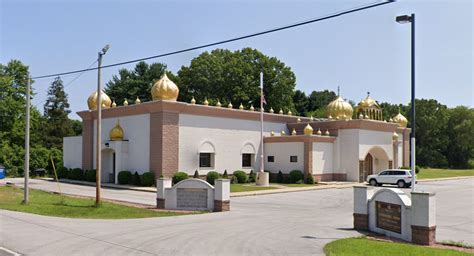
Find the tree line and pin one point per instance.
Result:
(445, 136)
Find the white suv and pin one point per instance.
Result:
(401, 178)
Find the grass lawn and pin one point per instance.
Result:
(443, 173)
(247, 187)
(45, 203)
(365, 247)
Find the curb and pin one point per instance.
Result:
(447, 178)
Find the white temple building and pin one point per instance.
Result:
(165, 136)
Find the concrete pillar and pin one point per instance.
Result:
(423, 216)
(221, 195)
(362, 194)
(161, 185)
(263, 179)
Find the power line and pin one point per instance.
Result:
(321, 18)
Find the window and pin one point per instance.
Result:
(384, 173)
(247, 160)
(270, 159)
(205, 160)
(293, 159)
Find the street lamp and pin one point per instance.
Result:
(402, 20)
(98, 160)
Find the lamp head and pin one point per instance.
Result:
(105, 49)
(403, 19)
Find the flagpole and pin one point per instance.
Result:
(261, 122)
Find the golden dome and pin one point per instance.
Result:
(241, 107)
(138, 101)
(308, 130)
(92, 100)
(339, 109)
(395, 136)
(319, 132)
(293, 132)
(114, 105)
(117, 132)
(401, 120)
(368, 102)
(164, 89)
(193, 101)
(271, 110)
(230, 105)
(125, 103)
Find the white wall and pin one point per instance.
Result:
(348, 153)
(368, 139)
(228, 137)
(400, 150)
(137, 132)
(72, 152)
(282, 152)
(322, 158)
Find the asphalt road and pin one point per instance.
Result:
(298, 223)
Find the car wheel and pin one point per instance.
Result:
(401, 184)
(373, 182)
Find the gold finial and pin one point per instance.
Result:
(330, 117)
(206, 103)
(319, 132)
(361, 116)
(125, 103)
(193, 101)
(337, 118)
(290, 113)
(280, 112)
(252, 108)
(138, 101)
(395, 136)
(390, 120)
(271, 110)
(164, 89)
(327, 132)
(117, 132)
(230, 105)
(283, 133)
(400, 120)
(241, 107)
(272, 133)
(114, 105)
(298, 120)
(311, 118)
(366, 117)
(218, 104)
(293, 132)
(308, 130)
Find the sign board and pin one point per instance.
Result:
(389, 216)
(191, 198)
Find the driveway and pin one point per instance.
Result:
(298, 223)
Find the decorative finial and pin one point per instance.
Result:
(330, 117)
(308, 130)
(252, 108)
(293, 132)
(114, 105)
(193, 101)
(125, 103)
(290, 113)
(138, 101)
(327, 132)
(368, 94)
(218, 104)
(272, 133)
(280, 112)
(241, 107)
(311, 118)
(283, 133)
(319, 132)
(395, 136)
(298, 120)
(338, 91)
(271, 110)
(361, 116)
(206, 103)
(230, 105)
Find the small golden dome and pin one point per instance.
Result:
(283, 133)
(330, 117)
(271, 110)
(252, 108)
(241, 107)
(401, 120)
(298, 120)
(218, 104)
(114, 105)
(206, 103)
(368, 102)
(293, 132)
(327, 132)
(117, 132)
(319, 132)
(311, 118)
(92, 100)
(280, 112)
(395, 136)
(361, 116)
(272, 133)
(125, 103)
(164, 89)
(230, 105)
(339, 109)
(193, 101)
(138, 101)
(308, 130)
(290, 113)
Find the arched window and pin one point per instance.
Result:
(207, 153)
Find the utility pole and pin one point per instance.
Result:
(98, 159)
(26, 195)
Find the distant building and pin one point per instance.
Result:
(165, 136)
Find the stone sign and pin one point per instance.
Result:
(191, 198)
(389, 216)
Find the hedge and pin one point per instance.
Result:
(279, 178)
(148, 179)
(136, 179)
(124, 177)
(296, 176)
(90, 175)
(211, 177)
(179, 176)
(241, 176)
(62, 172)
(252, 176)
(417, 168)
(309, 179)
(76, 174)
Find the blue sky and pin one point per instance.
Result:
(360, 52)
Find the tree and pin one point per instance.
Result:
(301, 102)
(460, 130)
(56, 110)
(130, 84)
(234, 76)
(320, 99)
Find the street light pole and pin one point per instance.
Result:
(98, 160)
(405, 19)
(26, 195)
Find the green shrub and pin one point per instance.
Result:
(417, 168)
(196, 174)
(252, 176)
(62, 172)
(234, 180)
(124, 177)
(136, 179)
(241, 176)
(76, 174)
(296, 176)
(179, 176)
(279, 177)
(310, 179)
(90, 175)
(148, 179)
(211, 177)
(225, 175)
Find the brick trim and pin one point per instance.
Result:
(361, 221)
(87, 144)
(164, 143)
(221, 206)
(298, 138)
(423, 235)
(160, 203)
(330, 177)
(308, 159)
